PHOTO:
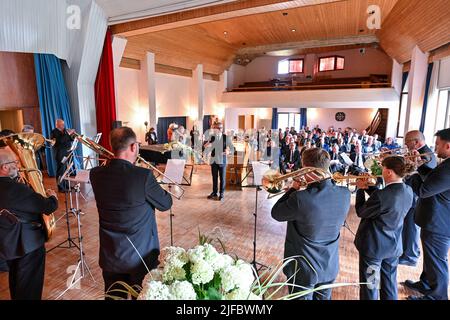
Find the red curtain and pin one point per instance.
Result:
(105, 100)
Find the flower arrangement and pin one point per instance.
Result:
(200, 273)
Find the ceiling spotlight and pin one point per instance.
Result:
(225, 32)
(293, 30)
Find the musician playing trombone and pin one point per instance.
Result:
(415, 141)
(314, 218)
(127, 196)
(63, 142)
(378, 238)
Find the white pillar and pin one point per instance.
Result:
(118, 48)
(198, 95)
(416, 89)
(397, 76)
(151, 89)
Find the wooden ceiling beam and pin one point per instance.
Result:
(208, 14)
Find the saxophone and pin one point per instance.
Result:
(24, 145)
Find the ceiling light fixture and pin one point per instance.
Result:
(225, 32)
(293, 30)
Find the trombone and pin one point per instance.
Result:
(108, 155)
(275, 183)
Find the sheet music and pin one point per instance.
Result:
(259, 169)
(174, 170)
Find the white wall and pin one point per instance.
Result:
(444, 73)
(236, 76)
(354, 118)
(263, 117)
(356, 65)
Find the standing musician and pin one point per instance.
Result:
(219, 146)
(414, 140)
(63, 142)
(23, 242)
(378, 238)
(433, 216)
(127, 196)
(315, 216)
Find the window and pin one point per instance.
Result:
(283, 67)
(331, 63)
(402, 112)
(296, 66)
(290, 66)
(289, 120)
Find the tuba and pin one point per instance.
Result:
(24, 145)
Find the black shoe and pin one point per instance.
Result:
(407, 262)
(416, 286)
(220, 198)
(416, 298)
(212, 196)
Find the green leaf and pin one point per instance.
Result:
(213, 294)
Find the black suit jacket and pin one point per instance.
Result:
(314, 218)
(295, 158)
(28, 206)
(126, 197)
(63, 143)
(433, 205)
(379, 233)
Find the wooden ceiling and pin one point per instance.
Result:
(425, 23)
(179, 40)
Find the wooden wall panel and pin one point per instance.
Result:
(17, 80)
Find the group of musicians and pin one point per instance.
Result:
(128, 195)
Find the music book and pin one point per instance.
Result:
(174, 170)
(259, 169)
(346, 159)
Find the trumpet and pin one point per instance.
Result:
(275, 183)
(351, 179)
(108, 155)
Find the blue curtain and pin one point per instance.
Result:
(53, 99)
(425, 99)
(163, 125)
(303, 119)
(274, 118)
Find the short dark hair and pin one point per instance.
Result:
(317, 158)
(444, 134)
(396, 164)
(121, 138)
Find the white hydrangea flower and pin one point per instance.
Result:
(176, 257)
(153, 275)
(196, 254)
(155, 290)
(202, 272)
(172, 273)
(237, 276)
(182, 290)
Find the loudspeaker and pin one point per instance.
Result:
(116, 124)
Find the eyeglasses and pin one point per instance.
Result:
(15, 161)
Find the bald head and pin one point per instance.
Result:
(60, 124)
(414, 140)
(8, 166)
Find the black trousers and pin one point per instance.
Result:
(111, 279)
(435, 264)
(26, 275)
(410, 238)
(381, 276)
(218, 171)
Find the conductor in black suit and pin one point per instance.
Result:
(218, 147)
(127, 196)
(23, 244)
(433, 217)
(379, 235)
(314, 218)
(414, 140)
(63, 142)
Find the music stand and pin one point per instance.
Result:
(258, 168)
(82, 266)
(175, 171)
